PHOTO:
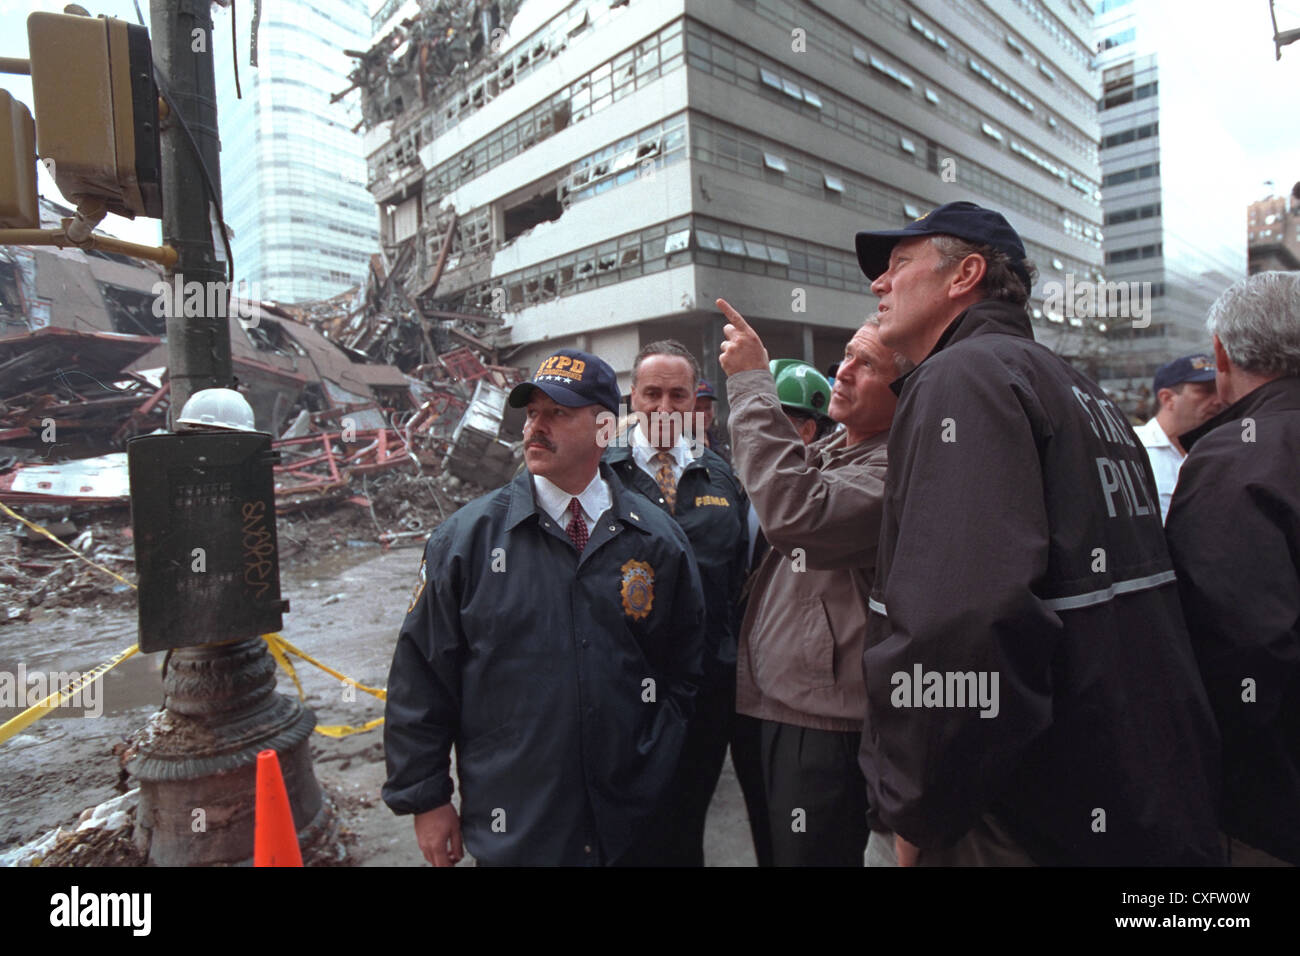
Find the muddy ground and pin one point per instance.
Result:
(347, 602)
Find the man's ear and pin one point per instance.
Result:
(970, 273)
(1165, 398)
(1220, 356)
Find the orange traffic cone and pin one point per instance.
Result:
(275, 841)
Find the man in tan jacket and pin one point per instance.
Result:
(799, 657)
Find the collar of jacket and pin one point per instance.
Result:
(1281, 394)
(831, 448)
(988, 316)
(621, 451)
(523, 501)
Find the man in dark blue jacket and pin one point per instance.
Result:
(1234, 533)
(555, 637)
(1032, 696)
(697, 488)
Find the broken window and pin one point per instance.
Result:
(542, 206)
(678, 241)
(267, 336)
(131, 311)
(560, 118)
(11, 304)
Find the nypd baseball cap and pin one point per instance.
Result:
(1189, 368)
(965, 220)
(574, 379)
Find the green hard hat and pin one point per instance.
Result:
(801, 386)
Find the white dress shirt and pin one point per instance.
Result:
(1166, 461)
(683, 453)
(595, 500)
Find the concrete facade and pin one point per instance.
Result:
(663, 154)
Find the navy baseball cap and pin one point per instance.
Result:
(965, 220)
(1189, 368)
(705, 389)
(574, 379)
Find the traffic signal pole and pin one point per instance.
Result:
(196, 759)
(198, 347)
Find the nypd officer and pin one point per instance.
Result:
(555, 637)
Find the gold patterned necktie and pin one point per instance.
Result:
(665, 479)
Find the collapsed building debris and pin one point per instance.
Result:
(414, 61)
(82, 361)
(68, 393)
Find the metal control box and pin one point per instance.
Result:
(206, 553)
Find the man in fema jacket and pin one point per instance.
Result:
(555, 638)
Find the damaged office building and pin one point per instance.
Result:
(595, 174)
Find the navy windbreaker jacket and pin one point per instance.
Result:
(1234, 533)
(564, 684)
(1022, 544)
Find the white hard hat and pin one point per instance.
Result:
(218, 408)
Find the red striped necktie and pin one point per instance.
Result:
(577, 529)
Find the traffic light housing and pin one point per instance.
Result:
(18, 205)
(97, 110)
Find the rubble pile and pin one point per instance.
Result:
(69, 394)
(35, 572)
(391, 510)
(383, 321)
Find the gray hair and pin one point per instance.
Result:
(902, 364)
(1258, 321)
(1000, 280)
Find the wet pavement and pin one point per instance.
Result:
(345, 610)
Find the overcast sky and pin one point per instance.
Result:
(1252, 96)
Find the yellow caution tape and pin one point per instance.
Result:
(343, 730)
(273, 644)
(276, 644)
(274, 639)
(34, 713)
(280, 649)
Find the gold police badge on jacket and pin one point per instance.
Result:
(419, 587)
(638, 589)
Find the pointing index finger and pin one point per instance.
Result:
(734, 317)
